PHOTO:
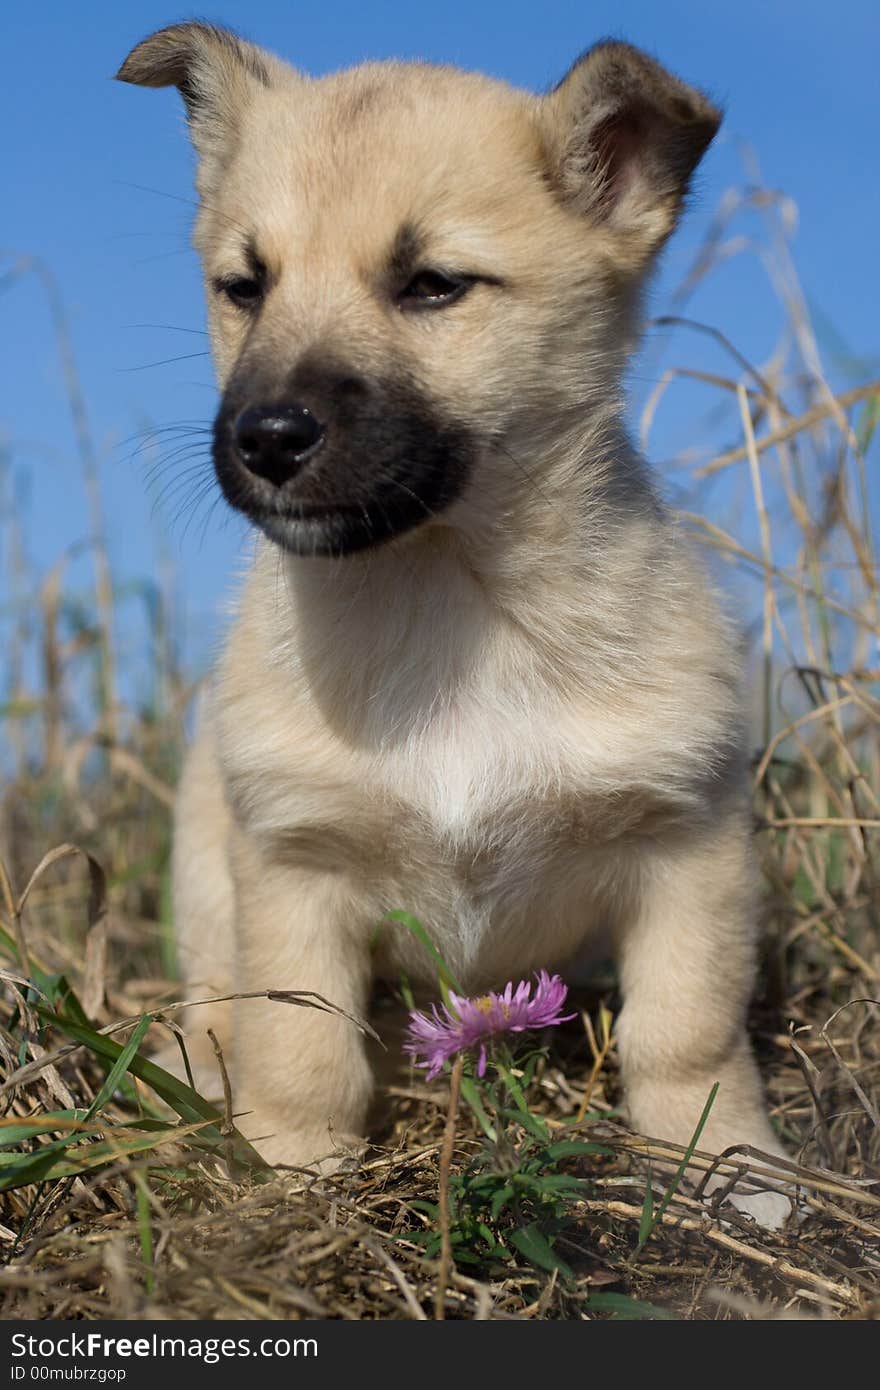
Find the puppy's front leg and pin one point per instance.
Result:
(302, 1075)
(687, 971)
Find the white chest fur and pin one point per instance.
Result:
(414, 737)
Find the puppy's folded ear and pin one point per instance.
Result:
(215, 72)
(626, 137)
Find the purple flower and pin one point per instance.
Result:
(434, 1038)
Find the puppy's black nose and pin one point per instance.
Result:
(275, 441)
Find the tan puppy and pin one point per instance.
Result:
(475, 672)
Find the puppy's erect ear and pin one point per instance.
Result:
(627, 137)
(215, 72)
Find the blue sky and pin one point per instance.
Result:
(798, 80)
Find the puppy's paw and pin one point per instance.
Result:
(773, 1205)
(769, 1209)
(318, 1150)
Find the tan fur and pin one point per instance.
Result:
(520, 720)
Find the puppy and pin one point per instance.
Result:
(475, 672)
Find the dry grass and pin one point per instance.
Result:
(178, 1225)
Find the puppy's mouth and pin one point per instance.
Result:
(333, 472)
(328, 530)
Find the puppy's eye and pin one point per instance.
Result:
(433, 290)
(242, 290)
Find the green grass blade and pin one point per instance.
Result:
(20, 1170)
(145, 1229)
(646, 1221)
(680, 1170)
(68, 1159)
(119, 1068)
(413, 925)
(181, 1098)
(17, 1132)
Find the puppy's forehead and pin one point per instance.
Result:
(379, 145)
